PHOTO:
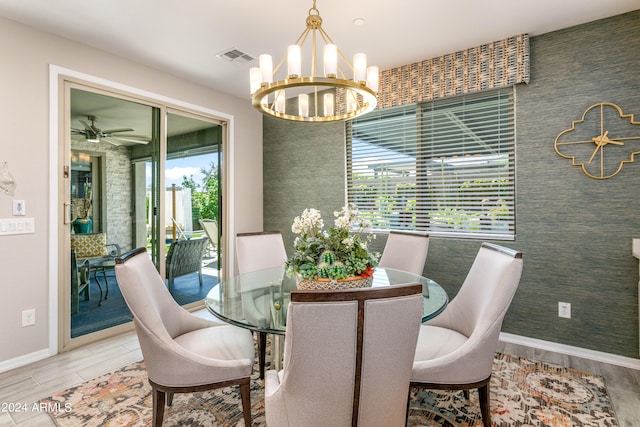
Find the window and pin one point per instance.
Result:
(446, 166)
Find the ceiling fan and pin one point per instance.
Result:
(92, 133)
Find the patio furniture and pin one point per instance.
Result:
(93, 246)
(185, 257)
(79, 281)
(210, 226)
(100, 255)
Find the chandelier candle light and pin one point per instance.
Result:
(321, 97)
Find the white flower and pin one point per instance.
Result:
(309, 223)
(348, 242)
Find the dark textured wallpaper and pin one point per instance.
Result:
(575, 232)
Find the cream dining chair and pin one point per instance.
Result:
(257, 251)
(456, 349)
(405, 251)
(183, 353)
(347, 358)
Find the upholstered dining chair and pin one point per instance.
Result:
(456, 349)
(182, 352)
(257, 251)
(405, 251)
(347, 358)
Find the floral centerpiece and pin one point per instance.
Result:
(338, 258)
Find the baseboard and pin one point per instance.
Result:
(17, 362)
(584, 353)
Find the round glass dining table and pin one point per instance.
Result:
(258, 300)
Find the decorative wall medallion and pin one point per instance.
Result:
(601, 142)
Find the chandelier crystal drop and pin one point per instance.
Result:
(332, 90)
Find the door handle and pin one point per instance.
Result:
(67, 213)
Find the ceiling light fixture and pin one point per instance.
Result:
(321, 97)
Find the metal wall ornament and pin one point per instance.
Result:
(601, 142)
(7, 183)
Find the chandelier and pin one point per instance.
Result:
(320, 96)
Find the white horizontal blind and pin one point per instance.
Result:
(444, 166)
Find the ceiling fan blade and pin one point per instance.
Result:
(108, 131)
(124, 138)
(112, 141)
(141, 137)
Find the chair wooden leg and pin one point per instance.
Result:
(466, 394)
(485, 404)
(158, 407)
(245, 394)
(262, 351)
(170, 398)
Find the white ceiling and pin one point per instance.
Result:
(183, 37)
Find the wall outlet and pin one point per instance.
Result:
(564, 310)
(29, 317)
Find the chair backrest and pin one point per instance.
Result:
(260, 250)
(348, 356)
(210, 226)
(405, 251)
(477, 311)
(93, 245)
(185, 256)
(157, 317)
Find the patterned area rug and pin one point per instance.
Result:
(523, 393)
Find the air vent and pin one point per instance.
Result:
(235, 55)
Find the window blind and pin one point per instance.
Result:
(445, 166)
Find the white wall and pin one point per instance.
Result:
(24, 143)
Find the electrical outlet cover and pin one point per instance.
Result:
(19, 207)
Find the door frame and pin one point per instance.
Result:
(59, 148)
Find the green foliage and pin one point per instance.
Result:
(204, 196)
(337, 254)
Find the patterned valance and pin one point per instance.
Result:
(493, 65)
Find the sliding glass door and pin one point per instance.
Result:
(192, 205)
(137, 174)
(104, 191)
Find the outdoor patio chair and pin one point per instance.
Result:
(79, 281)
(210, 226)
(185, 257)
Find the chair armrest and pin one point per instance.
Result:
(84, 269)
(114, 250)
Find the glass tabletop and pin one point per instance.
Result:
(258, 300)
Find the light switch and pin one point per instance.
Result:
(17, 226)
